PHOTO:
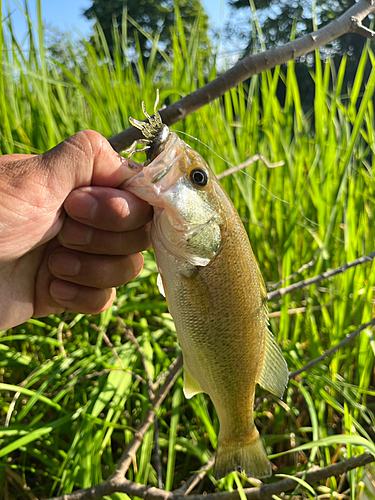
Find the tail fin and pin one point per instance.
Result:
(248, 457)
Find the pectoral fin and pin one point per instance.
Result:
(160, 284)
(191, 386)
(274, 375)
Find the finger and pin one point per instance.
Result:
(54, 296)
(93, 270)
(83, 238)
(82, 299)
(86, 159)
(108, 208)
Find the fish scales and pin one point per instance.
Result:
(216, 295)
(207, 306)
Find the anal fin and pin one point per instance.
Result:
(191, 386)
(274, 375)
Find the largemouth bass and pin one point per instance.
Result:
(215, 293)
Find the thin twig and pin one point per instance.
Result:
(300, 271)
(195, 478)
(298, 310)
(130, 335)
(158, 453)
(317, 279)
(328, 353)
(116, 482)
(109, 343)
(60, 339)
(359, 28)
(164, 375)
(248, 162)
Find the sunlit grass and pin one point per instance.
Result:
(65, 430)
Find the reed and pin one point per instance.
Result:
(67, 407)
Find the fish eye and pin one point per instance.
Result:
(198, 177)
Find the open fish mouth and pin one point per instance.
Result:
(158, 176)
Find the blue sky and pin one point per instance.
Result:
(67, 14)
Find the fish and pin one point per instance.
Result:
(214, 290)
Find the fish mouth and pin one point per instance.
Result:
(159, 175)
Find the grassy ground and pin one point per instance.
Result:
(68, 404)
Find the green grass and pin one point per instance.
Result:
(66, 431)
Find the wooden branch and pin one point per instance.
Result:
(195, 478)
(350, 21)
(328, 353)
(317, 279)
(265, 492)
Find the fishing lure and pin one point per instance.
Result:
(155, 133)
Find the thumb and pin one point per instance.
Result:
(85, 159)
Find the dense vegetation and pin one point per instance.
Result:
(68, 403)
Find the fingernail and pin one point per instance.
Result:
(65, 263)
(62, 290)
(75, 234)
(82, 205)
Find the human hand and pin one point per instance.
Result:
(68, 235)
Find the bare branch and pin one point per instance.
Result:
(297, 310)
(300, 271)
(248, 162)
(60, 329)
(157, 453)
(266, 491)
(195, 479)
(164, 375)
(362, 30)
(130, 335)
(151, 392)
(253, 65)
(317, 279)
(108, 342)
(328, 353)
